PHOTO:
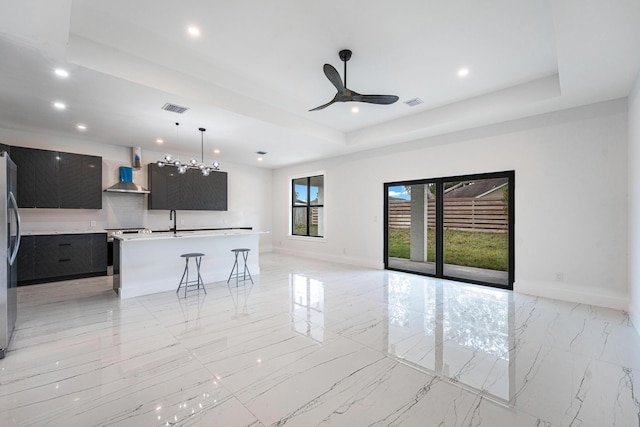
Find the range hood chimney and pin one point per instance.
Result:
(126, 184)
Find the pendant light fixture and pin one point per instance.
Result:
(193, 162)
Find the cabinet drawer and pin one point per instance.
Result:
(62, 255)
(67, 245)
(47, 258)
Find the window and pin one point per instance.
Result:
(307, 206)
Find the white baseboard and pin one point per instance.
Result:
(574, 293)
(341, 259)
(265, 249)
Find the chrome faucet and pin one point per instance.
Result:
(174, 217)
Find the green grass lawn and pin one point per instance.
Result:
(301, 229)
(468, 248)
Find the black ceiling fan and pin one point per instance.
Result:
(347, 95)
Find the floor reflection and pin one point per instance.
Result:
(307, 306)
(240, 296)
(191, 307)
(462, 332)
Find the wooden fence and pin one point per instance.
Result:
(486, 215)
(301, 216)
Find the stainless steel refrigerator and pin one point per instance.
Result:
(9, 244)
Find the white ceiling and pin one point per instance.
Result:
(256, 69)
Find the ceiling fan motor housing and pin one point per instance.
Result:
(345, 55)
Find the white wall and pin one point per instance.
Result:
(249, 193)
(634, 204)
(570, 197)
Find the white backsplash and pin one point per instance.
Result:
(61, 220)
(124, 210)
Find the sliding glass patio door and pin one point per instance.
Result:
(411, 227)
(452, 227)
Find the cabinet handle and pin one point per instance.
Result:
(64, 244)
(64, 260)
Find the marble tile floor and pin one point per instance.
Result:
(316, 343)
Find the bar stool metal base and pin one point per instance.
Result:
(236, 267)
(184, 281)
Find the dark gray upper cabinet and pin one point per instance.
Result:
(80, 181)
(92, 181)
(217, 184)
(70, 174)
(51, 179)
(26, 177)
(37, 177)
(157, 183)
(191, 191)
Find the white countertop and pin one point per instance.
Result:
(52, 233)
(185, 234)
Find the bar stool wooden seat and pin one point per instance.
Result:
(184, 281)
(236, 267)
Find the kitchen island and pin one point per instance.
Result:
(149, 263)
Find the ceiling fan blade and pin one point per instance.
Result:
(376, 99)
(323, 106)
(347, 95)
(334, 77)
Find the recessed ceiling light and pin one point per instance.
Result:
(61, 73)
(355, 110)
(193, 31)
(463, 72)
(81, 127)
(260, 159)
(216, 151)
(59, 105)
(159, 141)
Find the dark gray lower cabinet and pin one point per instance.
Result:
(49, 258)
(26, 260)
(99, 253)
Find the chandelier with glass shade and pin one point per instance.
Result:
(193, 163)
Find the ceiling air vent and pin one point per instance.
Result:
(262, 153)
(413, 102)
(174, 108)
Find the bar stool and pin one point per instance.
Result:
(236, 267)
(194, 283)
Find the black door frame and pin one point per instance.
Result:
(439, 182)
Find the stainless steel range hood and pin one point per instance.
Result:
(126, 184)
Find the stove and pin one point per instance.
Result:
(117, 231)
